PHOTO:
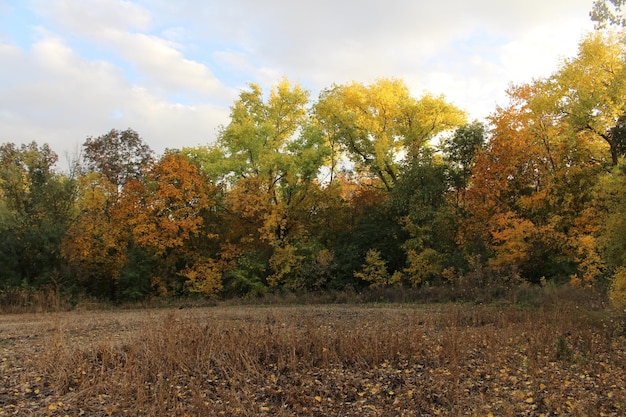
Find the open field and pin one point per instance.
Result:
(368, 360)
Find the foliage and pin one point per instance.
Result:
(205, 277)
(35, 211)
(375, 271)
(535, 183)
(591, 88)
(612, 233)
(246, 274)
(617, 293)
(346, 191)
(95, 245)
(118, 156)
(460, 150)
(608, 12)
(165, 214)
(373, 125)
(370, 224)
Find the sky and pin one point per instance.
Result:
(72, 69)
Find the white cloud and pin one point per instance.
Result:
(121, 26)
(92, 17)
(168, 69)
(470, 51)
(539, 52)
(69, 98)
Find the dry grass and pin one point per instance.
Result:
(393, 360)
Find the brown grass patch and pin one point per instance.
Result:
(370, 360)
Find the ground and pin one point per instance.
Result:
(339, 360)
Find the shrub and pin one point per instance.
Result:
(617, 292)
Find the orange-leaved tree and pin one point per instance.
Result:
(167, 213)
(532, 199)
(513, 215)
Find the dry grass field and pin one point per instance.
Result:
(339, 360)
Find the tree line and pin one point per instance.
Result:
(365, 186)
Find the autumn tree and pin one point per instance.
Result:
(95, 247)
(532, 195)
(380, 128)
(165, 213)
(375, 271)
(376, 125)
(591, 103)
(611, 238)
(591, 92)
(509, 179)
(268, 157)
(98, 247)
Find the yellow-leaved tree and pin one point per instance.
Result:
(377, 125)
(374, 271)
(268, 156)
(95, 245)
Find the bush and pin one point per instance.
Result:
(617, 292)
